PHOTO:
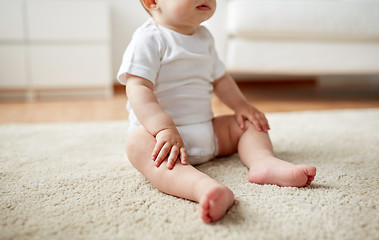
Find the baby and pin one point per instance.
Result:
(171, 70)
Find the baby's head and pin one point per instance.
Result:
(180, 15)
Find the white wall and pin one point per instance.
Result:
(57, 46)
(127, 15)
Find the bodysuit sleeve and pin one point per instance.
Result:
(142, 56)
(218, 66)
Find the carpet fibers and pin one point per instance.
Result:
(73, 181)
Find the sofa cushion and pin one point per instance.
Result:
(295, 57)
(307, 19)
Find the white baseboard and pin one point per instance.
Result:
(11, 95)
(348, 81)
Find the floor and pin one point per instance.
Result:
(268, 97)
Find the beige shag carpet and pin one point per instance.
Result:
(73, 181)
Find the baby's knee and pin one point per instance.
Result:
(239, 131)
(139, 143)
(248, 125)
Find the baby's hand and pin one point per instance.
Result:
(169, 144)
(253, 115)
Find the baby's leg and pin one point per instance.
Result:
(183, 181)
(256, 152)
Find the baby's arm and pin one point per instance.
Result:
(228, 92)
(156, 121)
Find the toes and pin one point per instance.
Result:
(204, 211)
(310, 179)
(206, 219)
(215, 204)
(310, 171)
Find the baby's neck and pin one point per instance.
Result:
(186, 30)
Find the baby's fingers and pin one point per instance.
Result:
(183, 156)
(265, 124)
(262, 122)
(241, 121)
(157, 148)
(174, 153)
(256, 123)
(162, 154)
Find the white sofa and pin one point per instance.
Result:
(292, 37)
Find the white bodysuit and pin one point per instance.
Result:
(182, 69)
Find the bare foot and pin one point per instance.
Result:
(283, 174)
(215, 203)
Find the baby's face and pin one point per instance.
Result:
(184, 14)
